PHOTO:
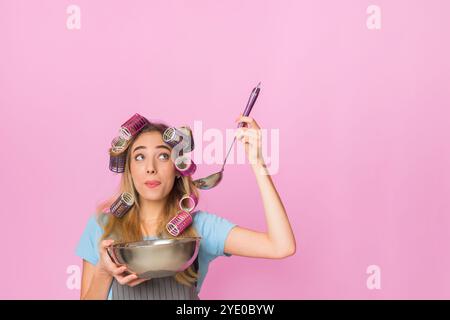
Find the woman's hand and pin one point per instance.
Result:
(120, 273)
(250, 135)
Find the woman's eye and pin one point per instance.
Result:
(164, 156)
(139, 157)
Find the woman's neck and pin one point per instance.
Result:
(151, 211)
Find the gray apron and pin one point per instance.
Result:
(166, 288)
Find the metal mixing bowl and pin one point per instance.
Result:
(156, 258)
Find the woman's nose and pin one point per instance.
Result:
(151, 168)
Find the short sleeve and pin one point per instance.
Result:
(214, 231)
(87, 247)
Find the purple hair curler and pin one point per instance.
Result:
(132, 126)
(179, 223)
(117, 162)
(122, 205)
(188, 202)
(185, 166)
(172, 136)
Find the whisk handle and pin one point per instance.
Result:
(250, 103)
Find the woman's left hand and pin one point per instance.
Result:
(250, 135)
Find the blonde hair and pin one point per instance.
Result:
(128, 228)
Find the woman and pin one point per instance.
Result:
(150, 175)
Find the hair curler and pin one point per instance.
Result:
(185, 166)
(119, 144)
(180, 222)
(173, 136)
(132, 126)
(122, 205)
(188, 202)
(117, 162)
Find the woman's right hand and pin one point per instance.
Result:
(107, 266)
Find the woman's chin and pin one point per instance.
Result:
(153, 195)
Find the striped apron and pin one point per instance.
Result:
(166, 288)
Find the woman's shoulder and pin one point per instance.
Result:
(97, 221)
(87, 247)
(207, 220)
(214, 230)
(201, 216)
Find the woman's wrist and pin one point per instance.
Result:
(259, 166)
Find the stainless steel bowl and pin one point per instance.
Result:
(156, 258)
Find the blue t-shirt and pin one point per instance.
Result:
(213, 230)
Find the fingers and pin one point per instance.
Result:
(118, 271)
(250, 133)
(105, 244)
(131, 280)
(251, 123)
(251, 138)
(125, 279)
(104, 252)
(247, 135)
(134, 283)
(107, 260)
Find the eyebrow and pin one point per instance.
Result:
(161, 146)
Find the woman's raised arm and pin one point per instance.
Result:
(279, 241)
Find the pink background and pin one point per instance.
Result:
(363, 118)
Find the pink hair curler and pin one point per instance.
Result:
(173, 136)
(132, 126)
(188, 202)
(185, 166)
(122, 205)
(179, 223)
(117, 162)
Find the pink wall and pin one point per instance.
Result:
(363, 117)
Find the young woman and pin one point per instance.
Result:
(150, 175)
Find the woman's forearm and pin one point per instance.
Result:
(278, 226)
(99, 287)
(279, 234)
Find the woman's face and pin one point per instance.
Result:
(151, 167)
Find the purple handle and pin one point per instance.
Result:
(251, 101)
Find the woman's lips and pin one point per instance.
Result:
(152, 184)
